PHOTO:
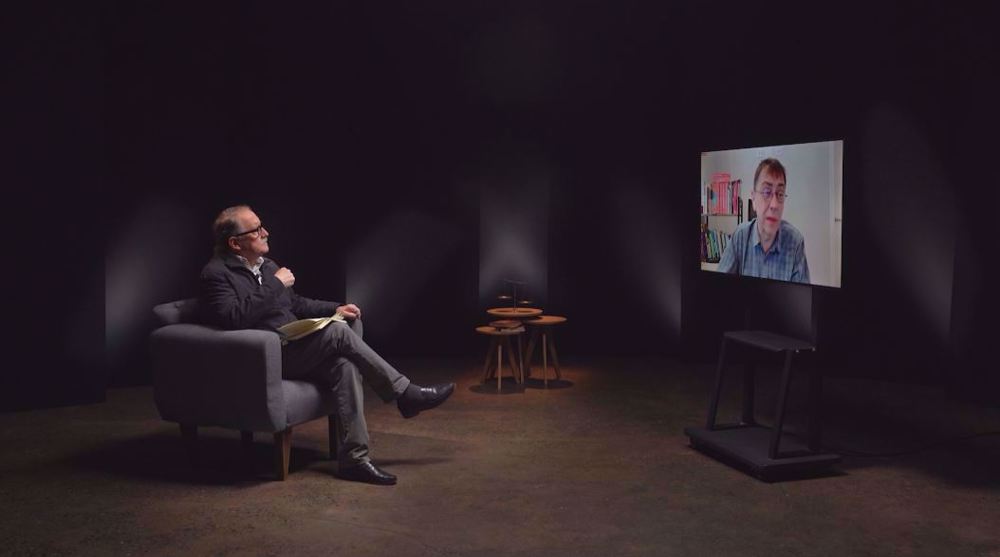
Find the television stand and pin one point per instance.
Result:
(766, 453)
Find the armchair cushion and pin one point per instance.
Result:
(207, 377)
(179, 311)
(203, 376)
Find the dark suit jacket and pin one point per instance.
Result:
(231, 298)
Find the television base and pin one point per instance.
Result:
(746, 447)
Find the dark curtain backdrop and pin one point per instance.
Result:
(363, 135)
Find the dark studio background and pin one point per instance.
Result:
(367, 136)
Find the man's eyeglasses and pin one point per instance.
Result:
(251, 231)
(766, 193)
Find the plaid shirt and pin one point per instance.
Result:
(785, 261)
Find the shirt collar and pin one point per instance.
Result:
(252, 267)
(776, 245)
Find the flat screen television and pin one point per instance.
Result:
(774, 212)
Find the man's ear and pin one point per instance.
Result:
(234, 245)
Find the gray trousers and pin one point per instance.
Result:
(338, 359)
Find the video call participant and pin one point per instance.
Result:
(242, 289)
(767, 246)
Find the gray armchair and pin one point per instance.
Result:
(204, 376)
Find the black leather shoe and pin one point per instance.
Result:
(367, 472)
(428, 397)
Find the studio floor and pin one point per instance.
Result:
(596, 464)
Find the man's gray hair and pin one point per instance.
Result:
(225, 226)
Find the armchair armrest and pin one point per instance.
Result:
(208, 377)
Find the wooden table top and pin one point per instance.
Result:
(545, 320)
(517, 313)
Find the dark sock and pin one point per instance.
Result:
(412, 391)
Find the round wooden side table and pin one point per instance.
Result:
(500, 340)
(514, 313)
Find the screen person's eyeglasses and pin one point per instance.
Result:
(256, 231)
(766, 193)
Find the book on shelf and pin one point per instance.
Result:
(713, 244)
(722, 196)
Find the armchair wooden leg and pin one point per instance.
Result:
(190, 435)
(332, 433)
(282, 453)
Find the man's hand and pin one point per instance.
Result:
(349, 311)
(286, 277)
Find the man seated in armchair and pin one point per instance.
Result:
(242, 289)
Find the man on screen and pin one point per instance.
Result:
(767, 246)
